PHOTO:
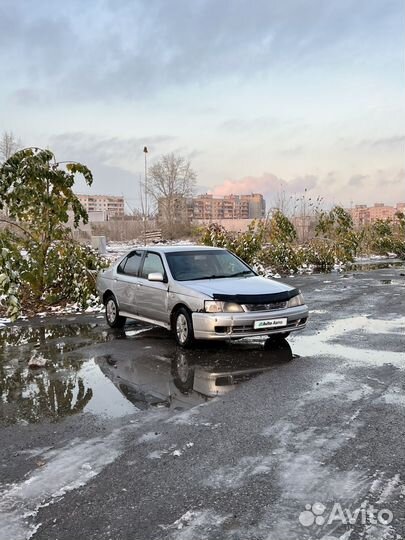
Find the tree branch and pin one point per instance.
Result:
(18, 227)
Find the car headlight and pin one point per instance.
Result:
(296, 301)
(215, 306)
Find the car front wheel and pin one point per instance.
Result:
(112, 315)
(183, 328)
(279, 337)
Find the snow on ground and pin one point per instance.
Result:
(328, 346)
(64, 470)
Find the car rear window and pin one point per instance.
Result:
(130, 265)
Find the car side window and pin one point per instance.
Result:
(152, 263)
(130, 265)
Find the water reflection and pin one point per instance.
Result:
(31, 395)
(79, 334)
(175, 378)
(102, 371)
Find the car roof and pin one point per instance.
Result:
(176, 249)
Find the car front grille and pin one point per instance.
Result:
(248, 329)
(265, 307)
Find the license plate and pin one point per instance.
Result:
(270, 323)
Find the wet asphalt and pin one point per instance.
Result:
(124, 436)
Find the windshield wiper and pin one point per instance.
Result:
(205, 277)
(242, 273)
(220, 276)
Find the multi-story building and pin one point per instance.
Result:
(111, 205)
(207, 208)
(212, 208)
(257, 205)
(363, 215)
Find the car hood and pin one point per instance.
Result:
(249, 286)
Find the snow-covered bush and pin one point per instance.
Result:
(10, 278)
(70, 273)
(335, 231)
(272, 245)
(40, 262)
(246, 245)
(385, 236)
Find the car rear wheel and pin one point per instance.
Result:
(183, 328)
(112, 315)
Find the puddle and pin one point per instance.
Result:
(365, 331)
(181, 379)
(91, 369)
(366, 266)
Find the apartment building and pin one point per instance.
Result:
(212, 208)
(363, 215)
(111, 205)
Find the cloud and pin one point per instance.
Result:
(26, 97)
(268, 184)
(357, 180)
(293, 151)
(134, 49)
(331, 188)
(264, 184)
(116, 162)
(252, 125)
(386, 143)
(107, 149)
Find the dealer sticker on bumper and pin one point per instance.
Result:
(270, 323)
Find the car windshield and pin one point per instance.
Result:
(206, 264)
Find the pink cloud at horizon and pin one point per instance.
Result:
(333, 187)
(268, 184)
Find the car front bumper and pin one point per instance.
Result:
(236, 325)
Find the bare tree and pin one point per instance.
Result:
(8, 145)
(304, 212)
(282, 201)
(170, 181)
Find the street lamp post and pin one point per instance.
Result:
(145, 217)
(145, 150)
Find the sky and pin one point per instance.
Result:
(268, 96)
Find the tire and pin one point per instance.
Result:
(182, 372)
(183, 328)
(112, 316)
(278, 337)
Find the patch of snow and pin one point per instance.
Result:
(195, 524)
(148, 437)
(304, 344)
(157, 454)
(65, 469)
(234, 476)
(394, 396)
(392, 488)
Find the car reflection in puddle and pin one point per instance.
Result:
(160, 374)
(91, 369)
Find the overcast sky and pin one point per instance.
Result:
(262, 95)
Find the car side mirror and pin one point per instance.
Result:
(155, 276)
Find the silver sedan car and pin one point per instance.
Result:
(198, 292)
